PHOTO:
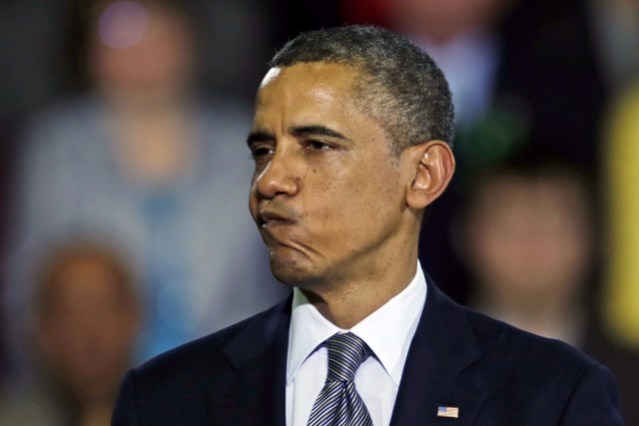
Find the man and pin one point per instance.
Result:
(351, 141)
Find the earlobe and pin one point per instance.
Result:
(434, 165)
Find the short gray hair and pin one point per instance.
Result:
(401, 86)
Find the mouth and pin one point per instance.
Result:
(270, 218)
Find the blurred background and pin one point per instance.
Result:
(124, 176)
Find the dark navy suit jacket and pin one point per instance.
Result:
(495, 374)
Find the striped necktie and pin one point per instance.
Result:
(338, 403)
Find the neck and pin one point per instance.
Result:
(346, 303)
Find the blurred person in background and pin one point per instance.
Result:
(521, 72)
(462, 36)
(40, 42)
(512, 64)
(143, 160)
(86, 320)
(529, 236)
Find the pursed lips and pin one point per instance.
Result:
(270, 218)
(274, 227)
(282, 227)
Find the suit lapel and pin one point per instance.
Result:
(443, 347)
(254, 391)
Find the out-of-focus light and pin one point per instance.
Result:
(122, 24)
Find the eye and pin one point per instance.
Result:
(317, 145)
(260, 151)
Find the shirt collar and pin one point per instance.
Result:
(387, 331)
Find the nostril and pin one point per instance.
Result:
(277, 179)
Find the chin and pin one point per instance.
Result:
(291, 270)
(295, 267)
(287, 274)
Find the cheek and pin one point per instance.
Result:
(353, 203)
(326, 196)
(380, 193)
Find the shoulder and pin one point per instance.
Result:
(519, 350)
(196, 359)
(210, 357)
(506, 375)
(177, 386)
(493, 341)
(66, 114)
(66, 126)
(520, 366)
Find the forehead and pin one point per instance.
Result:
(317, 95)
(316, 83)
(312, 72)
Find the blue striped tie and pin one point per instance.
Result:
(338, 403)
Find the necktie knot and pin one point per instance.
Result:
(346, 352)
(338, 403)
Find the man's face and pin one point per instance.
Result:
(328, 195)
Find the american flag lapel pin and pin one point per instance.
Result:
(451, 412)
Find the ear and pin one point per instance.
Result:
(433, 167)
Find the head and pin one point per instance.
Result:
(397, 84)
(529, 234)
(139, 49)
(351, 140)
(87, 318)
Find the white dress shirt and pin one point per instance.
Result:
(388, 332)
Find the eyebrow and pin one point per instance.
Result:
(316, 129)
(307, 130)
(259, 136)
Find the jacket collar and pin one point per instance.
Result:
(443, 347)
(254, 392)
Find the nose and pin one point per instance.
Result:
(279, 177)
